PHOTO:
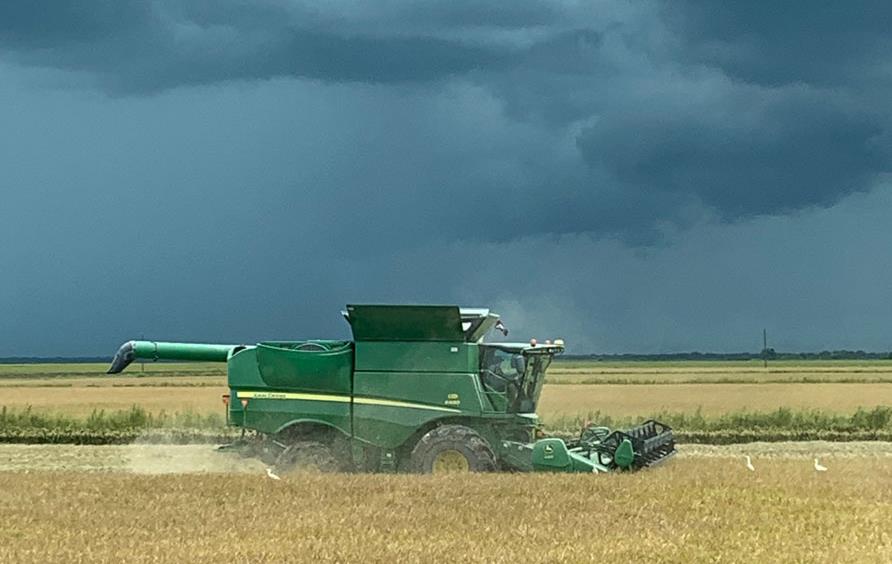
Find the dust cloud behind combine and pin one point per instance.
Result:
(133, 458)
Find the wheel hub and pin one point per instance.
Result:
(450, 461)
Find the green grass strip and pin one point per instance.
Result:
(124, 426)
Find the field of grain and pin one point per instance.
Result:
(682, 387)
(48, 404)
(557, 400)
(715, 372)
(695, 508)
(97, 370)
(617, 400)
(560, 372)
(81, 401)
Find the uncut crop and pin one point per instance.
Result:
(704, 402)
(613, 400)
(114, 427)
(747, 426)
(690, 510)
(718, 372)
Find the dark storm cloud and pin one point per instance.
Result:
(786, 150)
(136, 46)
(666, 107)
(238, 170)
(824, 43)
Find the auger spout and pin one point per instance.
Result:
(155, 350)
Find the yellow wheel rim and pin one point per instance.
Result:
(450, 461)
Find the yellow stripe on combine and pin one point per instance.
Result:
(392, 403)
(342, 399)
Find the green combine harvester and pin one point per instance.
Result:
(417, 390)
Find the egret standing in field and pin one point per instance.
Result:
(269, 472)
(819, 467)
(749, 464)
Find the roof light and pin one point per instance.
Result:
(533, 342)
(559, 342)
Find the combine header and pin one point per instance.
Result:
(417, 390)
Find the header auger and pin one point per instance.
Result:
(417, 390)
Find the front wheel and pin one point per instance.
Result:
(452, 449)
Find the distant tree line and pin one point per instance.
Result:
(768, 353)
(54, 359)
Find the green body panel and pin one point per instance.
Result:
(457, 392)
(552, 455)
(300, 400)
(395, 356)
(389, 427)
(243, 372)
(624, 455)
(405, 323)
(283, 366)
(390, 407)
(272, 412)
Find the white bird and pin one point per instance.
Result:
(749, 464)
(269, 472)
(818, 467)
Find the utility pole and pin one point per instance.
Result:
(765, 347)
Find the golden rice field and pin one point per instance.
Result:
(557, 400)
(696, 508)
(171, 503)
(574, 387)
(617, 400)
(572, 372)
(719, 372)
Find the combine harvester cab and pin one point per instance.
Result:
(416, 390)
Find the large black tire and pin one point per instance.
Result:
(452, 448)
(307, 456)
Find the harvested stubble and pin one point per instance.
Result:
(697, 510)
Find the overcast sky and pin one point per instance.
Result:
(629, 175)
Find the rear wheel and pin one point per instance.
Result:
(307, 456)
(452, 449)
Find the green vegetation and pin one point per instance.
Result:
(79, 404)
(766, 354)
(123, 426)
(79, 370)
(110, 427)
(719, 372)
(748, 426)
